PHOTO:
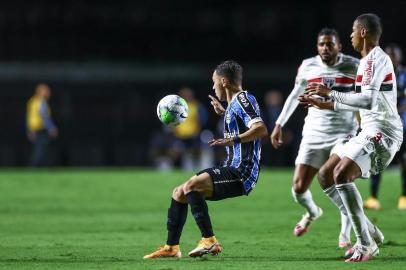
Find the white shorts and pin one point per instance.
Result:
(372, 153)
(315, 151)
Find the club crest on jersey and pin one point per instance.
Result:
(228, 118)
(328, 81)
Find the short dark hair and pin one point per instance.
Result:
(231, 70)
(329, 32)
(372, 23)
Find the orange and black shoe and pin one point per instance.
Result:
(165, 251)
(206, 246)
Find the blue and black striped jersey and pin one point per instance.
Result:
(241, 113)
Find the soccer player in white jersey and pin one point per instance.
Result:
(322, 129)
(374, 147)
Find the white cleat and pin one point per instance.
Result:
(363, 253)
(303, 225)
(377, 236)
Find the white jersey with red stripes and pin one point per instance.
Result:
(376, 73)
(339, 77)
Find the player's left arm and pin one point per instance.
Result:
(256, 131)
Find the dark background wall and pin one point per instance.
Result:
(109, 62)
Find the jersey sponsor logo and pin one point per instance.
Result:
(228, 135)
(243, 100)
(366, 80)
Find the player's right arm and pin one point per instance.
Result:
(289, 107)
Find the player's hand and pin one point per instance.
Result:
(276, 136)
(308, 101)
(218, 108)
(317, 89)
(221, 142)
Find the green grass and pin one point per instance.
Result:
(101, 219)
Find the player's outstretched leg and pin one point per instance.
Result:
(196, 189)
(177, 214)
(301, 194)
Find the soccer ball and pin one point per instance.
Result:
(172, 110)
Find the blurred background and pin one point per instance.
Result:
(108, 63)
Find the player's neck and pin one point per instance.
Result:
(231, 92)
(332, 61)
(369, 45)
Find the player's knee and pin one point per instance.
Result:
(340, 176)
(190, 185)
(178, 193)
(324, 177)
(299, 186)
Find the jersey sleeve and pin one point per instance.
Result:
(374, 73)
(300, 79)
(292, 102)
(247, 109)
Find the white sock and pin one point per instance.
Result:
(334, 196)
(306, 200)
(353, 203)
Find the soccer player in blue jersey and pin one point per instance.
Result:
(243, 129)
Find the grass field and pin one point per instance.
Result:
(109, 219)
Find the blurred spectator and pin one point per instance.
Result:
(188, 132)
(40, 127)
(163, 151)
(273, 107)
(395, 53)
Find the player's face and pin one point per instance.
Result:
(328, 47)
(356, 38)
(218, 86)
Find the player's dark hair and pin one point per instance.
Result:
(372, 23)
(231, 70)
(329, 32)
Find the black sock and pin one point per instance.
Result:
(403, 183)
(177, 214)
(200, 212)
(375, 179)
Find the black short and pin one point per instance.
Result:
(227, 183)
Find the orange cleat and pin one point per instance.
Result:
(205, 246)
(402, 203)
(372, 204)
(166, 251)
